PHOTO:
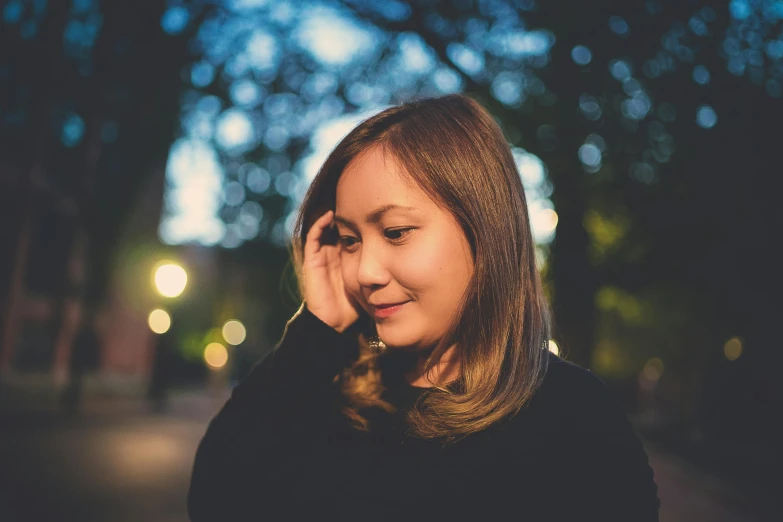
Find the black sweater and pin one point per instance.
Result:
(280, 450)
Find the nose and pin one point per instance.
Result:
(371, 271)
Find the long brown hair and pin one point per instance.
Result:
(456, 153)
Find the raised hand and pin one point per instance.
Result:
(325, 293)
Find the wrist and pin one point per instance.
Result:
(323, 318)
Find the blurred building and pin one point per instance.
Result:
(44, 262)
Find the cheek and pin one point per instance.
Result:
(436, 269)
(348, 269)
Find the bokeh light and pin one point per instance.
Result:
(732, 349)
(653, 369)
(175, 19)
(590, 156)
(170, 279)
(234, 131)
(331, 38)
(619, 26)
(620, 69)
(234, 194)
(543, 223)
(215, 355)
(194, 194)
(590, 107)
(581, 55)
(701, 75)
(466, 58)
(706, 117)
(234, 332)
(72, 131)
(159, 321)
(553, 347)
(507, 88)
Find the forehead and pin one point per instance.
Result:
(375, 178)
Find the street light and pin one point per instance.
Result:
(170, 279)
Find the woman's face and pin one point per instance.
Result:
(398, 245)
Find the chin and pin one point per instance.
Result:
(393, 340)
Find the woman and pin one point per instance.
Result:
(414, 381)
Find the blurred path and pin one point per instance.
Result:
(690, 495)
(117, 462)
(121, 463)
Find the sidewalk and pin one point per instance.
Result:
(102, 397)
(690, 494)
(117, 460)
(26, 410)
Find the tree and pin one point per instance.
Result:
(90, 101)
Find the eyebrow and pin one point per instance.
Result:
(374, 216)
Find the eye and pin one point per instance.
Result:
(347, 242)
(398, 234)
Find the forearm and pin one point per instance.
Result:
(257, 441)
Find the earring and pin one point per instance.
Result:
(376, 345)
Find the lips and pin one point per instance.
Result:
(388, 305)
(385, 310)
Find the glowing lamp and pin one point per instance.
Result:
(170, 279)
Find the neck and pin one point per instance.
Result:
(445, 370)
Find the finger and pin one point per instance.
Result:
(313, 240)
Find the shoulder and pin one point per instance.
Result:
(569, 385)
(565, 372)
(591, 449)
(575, 400)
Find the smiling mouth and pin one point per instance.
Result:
(387, 310)
(390, 305)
